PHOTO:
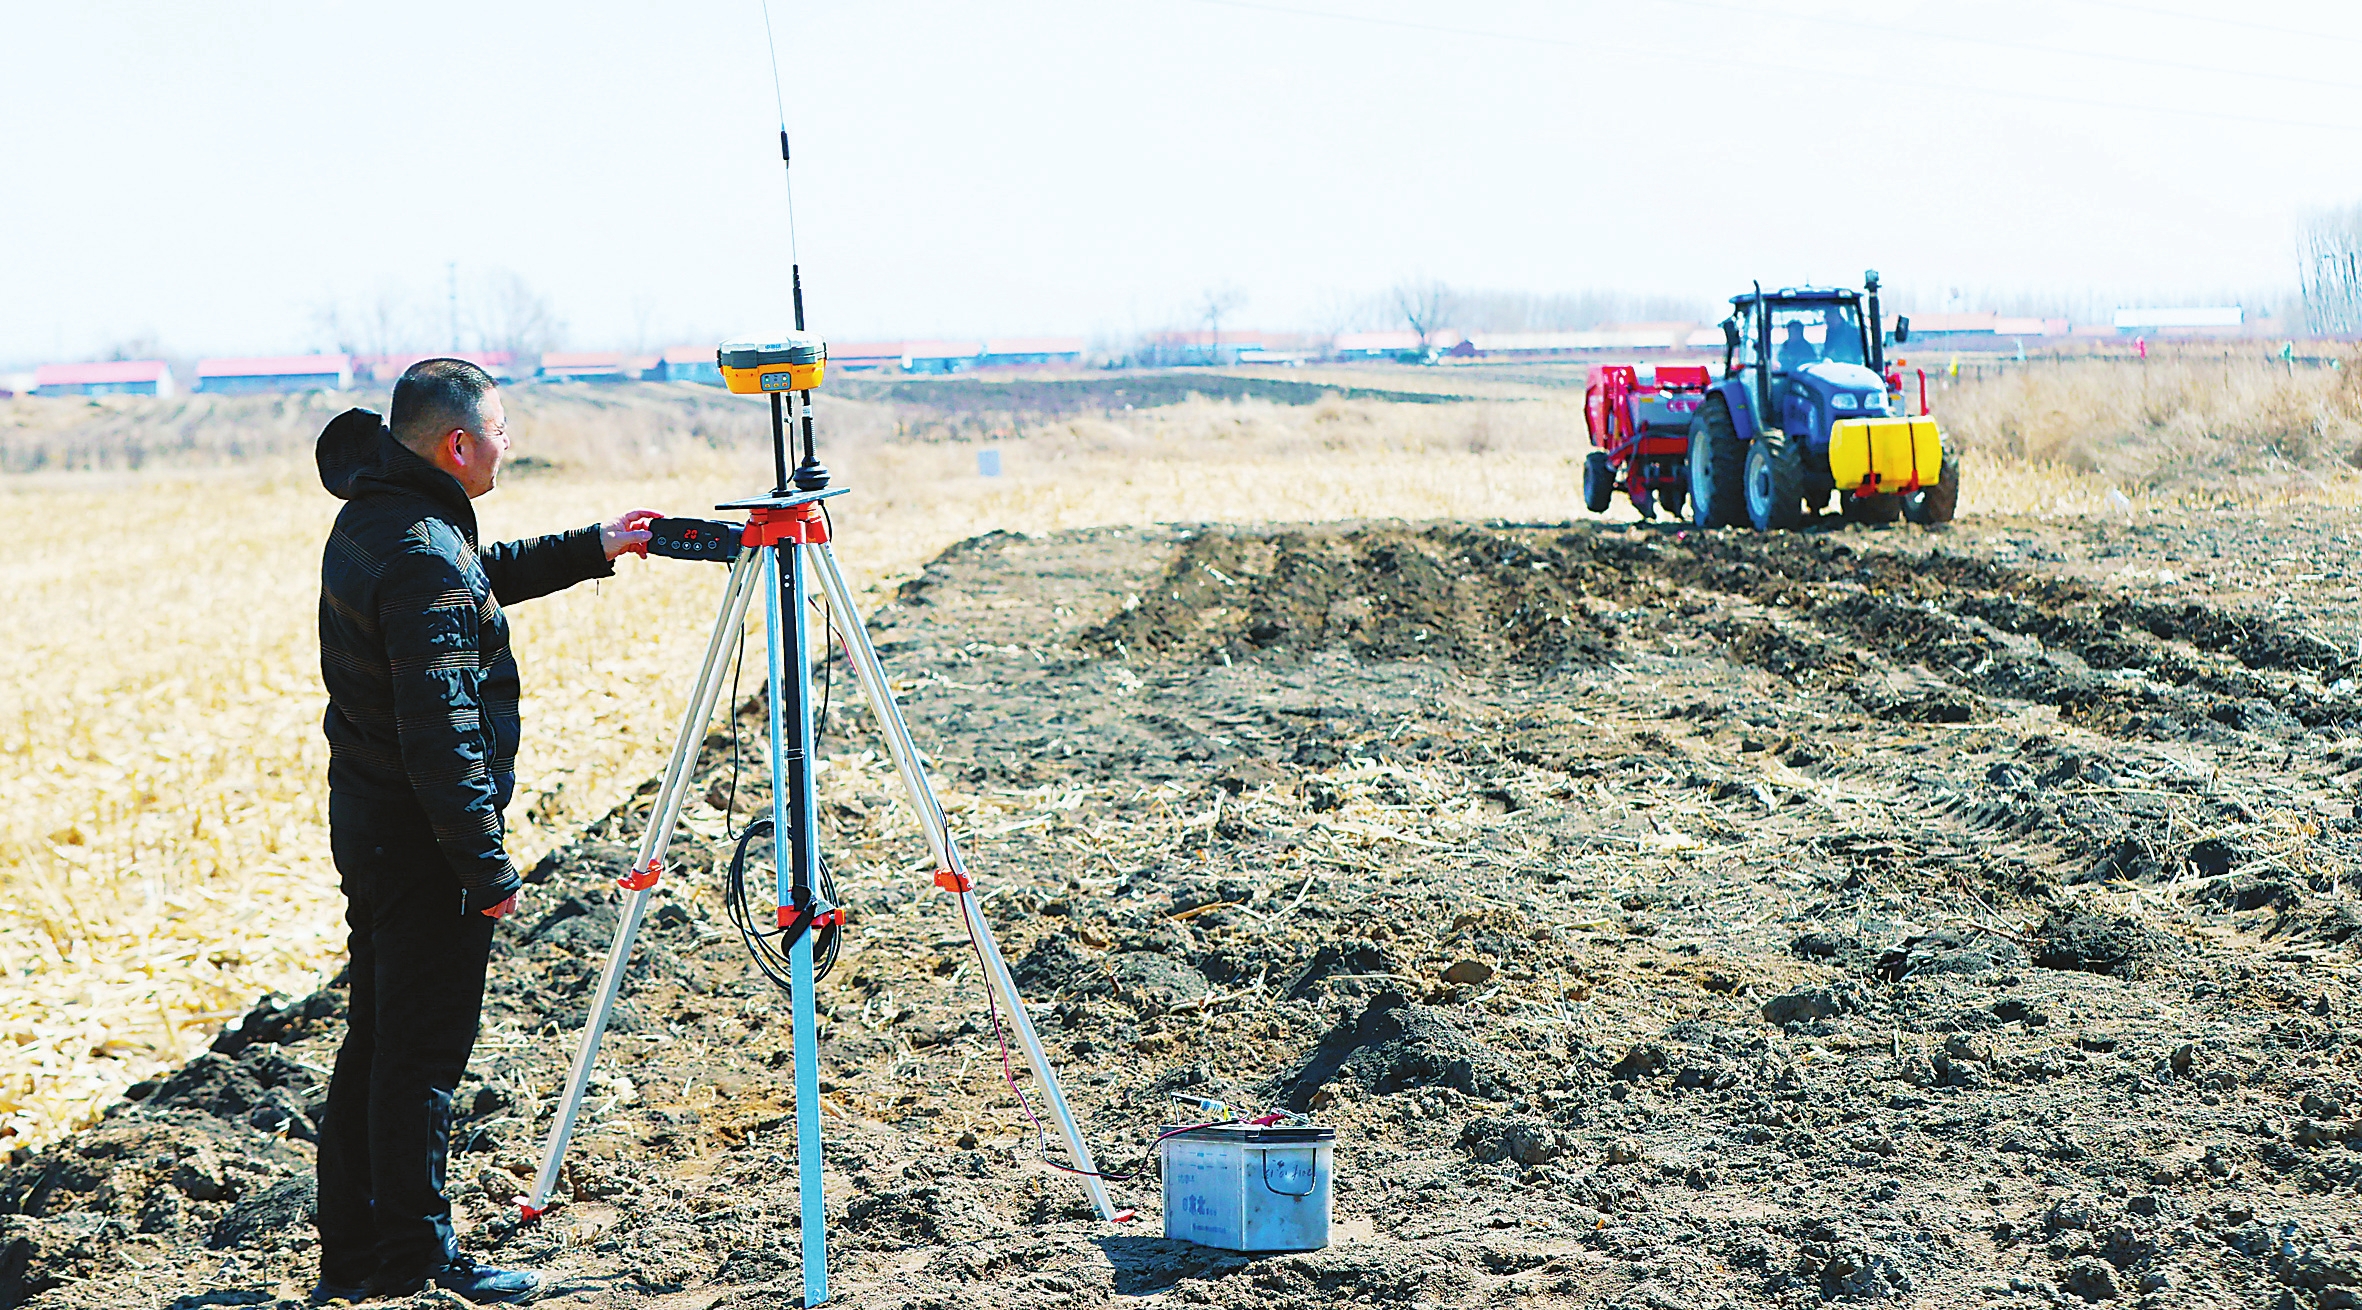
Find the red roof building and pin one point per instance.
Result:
(582, 366)
(387, 368)
(1367, 345)
(116, 377)
(275, 373)
(686, 364)
(1020, 351)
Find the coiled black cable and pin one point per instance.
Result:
(767, 944)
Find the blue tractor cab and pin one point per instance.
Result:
(1805, 409)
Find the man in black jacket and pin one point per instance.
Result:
(422, 738)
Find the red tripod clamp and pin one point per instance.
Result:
(951, 880)
(795, 525)
(830, 919)
(641, 879)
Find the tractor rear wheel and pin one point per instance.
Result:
(1717, 491)
(1775, 481)
(1884, 508)
(1930, 505)
(1599, 482)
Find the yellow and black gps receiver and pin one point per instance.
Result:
(753, 366)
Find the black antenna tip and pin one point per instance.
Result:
(783, 145)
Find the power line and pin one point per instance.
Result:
(2000, 43)
(2277, 30)
(1852, 74)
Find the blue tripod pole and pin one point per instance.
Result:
(797, 840)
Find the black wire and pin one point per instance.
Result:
(828, 655)
(828, 647)
(1147, 1153)
(763, 944)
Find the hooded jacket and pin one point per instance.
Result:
(422, 690)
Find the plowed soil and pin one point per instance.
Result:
(1662, 919)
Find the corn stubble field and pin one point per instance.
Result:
(165, 850)
(163, 855)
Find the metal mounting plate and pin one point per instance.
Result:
(773, 500)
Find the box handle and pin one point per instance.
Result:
(1297, 1164)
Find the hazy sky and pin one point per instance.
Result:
(218, 176)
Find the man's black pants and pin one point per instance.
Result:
(418, 964)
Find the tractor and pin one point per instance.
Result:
(1807, 408)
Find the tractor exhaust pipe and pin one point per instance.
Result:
(1763, 348)
(1877, 325)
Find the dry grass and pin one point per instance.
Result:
(2176, 424)
(163, 854)
(162, 846)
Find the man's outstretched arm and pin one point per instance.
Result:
(537, 566)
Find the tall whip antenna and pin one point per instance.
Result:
(786, 173)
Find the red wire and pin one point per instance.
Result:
(993, 1010)
(1009, 1075)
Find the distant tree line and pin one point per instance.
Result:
(497, 310)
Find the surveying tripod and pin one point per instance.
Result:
(783, 547)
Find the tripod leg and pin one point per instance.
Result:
(796, 847)
(872, 677)
(663, 814)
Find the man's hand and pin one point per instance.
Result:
(505, 907)
(627, 531)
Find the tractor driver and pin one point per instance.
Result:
(1795, 351)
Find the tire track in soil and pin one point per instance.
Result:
(2001, 633)
(1923, 636)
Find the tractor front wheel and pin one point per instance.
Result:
(1599, 482)
(1775, 482)
(1936, 504)
(1717, 493)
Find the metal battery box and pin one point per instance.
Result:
(1247, 1187)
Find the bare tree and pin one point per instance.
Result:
(1572, 311)
(1338, 312)
(332, 325)
(644, 307)
(1426, 305)
(514, 317)
(389, 322)
(2329, 268)
(1220, 302)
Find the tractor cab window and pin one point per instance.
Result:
(1811, 334)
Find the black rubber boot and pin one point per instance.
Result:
(466, 1279)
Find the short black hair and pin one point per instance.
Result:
(434, 396)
